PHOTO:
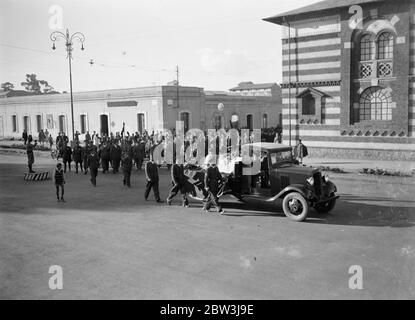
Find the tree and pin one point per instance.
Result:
(32, 84)
(7, 86)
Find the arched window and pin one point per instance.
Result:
(376, 54)
(264, 120)
(385, 46)
(375, 103)
(367, 48)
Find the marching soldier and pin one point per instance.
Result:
(178, 181)
(213, 179)
(105, 157)
(66, 157)
(93, 164)
(85, 154)
(115, 156)
(152, 175)
(30, 154)
(78, 156)
(138, 152)
(127, 164)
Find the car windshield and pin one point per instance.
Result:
(278, 157)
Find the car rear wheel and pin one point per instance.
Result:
(295, 206)
(326, 206)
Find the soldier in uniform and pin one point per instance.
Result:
(136, 151)
(115, 156)
(105, 157)
(93, 164)
(30, 154)
(178, 181)
(78, 156)
(66, 157)
(152, 176)
(213, 179)
(85, 155)
(127, 164)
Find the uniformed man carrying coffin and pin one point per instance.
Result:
(152, 175)
(213, 179)
(178, 181)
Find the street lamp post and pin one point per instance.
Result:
(69, 40)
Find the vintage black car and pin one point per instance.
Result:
(281, 180)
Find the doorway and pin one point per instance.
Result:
(104, 124)
(141, 125)
(249, 122)
(1, 128)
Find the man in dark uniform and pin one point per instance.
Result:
(78, 156)
(67, 157)
(30, 154)
(152, 175)
(136, 154)
(93, 164)
(213, 179)
(127, 164)
(115, 156)
(85, 155)
(105, 157)
(178, 181)
(24, 136)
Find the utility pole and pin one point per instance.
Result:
(177, 85)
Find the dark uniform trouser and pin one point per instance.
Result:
(76, 165)
(139, 162)
(94, 173)
(115, 164)
(155, 186)
(175, 190)
(64, 165)
(86, 165)
(213, 200)
(127, 176)
(105, 165)
(59, 185)
(30, 161)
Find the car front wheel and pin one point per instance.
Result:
(295, 206)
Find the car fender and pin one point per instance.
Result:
(291, 188)
(332, 186)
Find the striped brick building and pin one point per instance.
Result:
(349, 78)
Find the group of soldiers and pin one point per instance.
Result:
(125, 152)
(117, 153)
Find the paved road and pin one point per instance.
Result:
(112, 244)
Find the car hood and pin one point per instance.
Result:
(297, 170)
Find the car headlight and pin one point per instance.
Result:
(310, 181)
(326, 178)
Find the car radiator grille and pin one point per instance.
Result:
(285, 181)
(317, 183)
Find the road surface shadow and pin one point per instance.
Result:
(346, 212)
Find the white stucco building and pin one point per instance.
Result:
(147, 108)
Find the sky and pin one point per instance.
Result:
(135, 43)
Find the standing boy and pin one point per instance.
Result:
(59, 181)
